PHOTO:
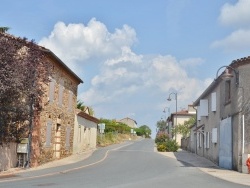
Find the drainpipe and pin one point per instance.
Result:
(196, 127)
(243, 134)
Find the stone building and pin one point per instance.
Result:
(52, 137)
(52, 126)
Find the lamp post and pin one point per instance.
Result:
(169, 99)
(227, 75)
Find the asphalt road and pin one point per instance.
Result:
(130, 165)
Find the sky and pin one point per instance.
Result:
(133, 54)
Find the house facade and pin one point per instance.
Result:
(178, 118)
(222, 132)
(85, 132)
(51, 127)
(52, 136)
(128, 121)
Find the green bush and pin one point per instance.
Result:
(161, 137)
(161, 147)
(167, 146)
(172, 145)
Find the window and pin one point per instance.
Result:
(48, 134)
(227, 91)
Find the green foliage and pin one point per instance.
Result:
(161, 125)
(161, 137)
(80, 105)
(114, 126)
(143, 130)
(4, 29)
(23, 68)
(164, 143)
(172, 146)
(184, 129)
(161, 147)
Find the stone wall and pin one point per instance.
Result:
(56, 121)
(8, 156)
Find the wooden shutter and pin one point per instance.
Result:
(61, 89)
(67, 141)
(48, 134)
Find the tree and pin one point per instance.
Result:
(114, 126)
(24, 72)
(82, 107)
(184, 129)
(161, 125)
(143, 130)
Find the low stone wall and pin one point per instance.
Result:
(8, 156)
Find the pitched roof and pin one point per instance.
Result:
(235, 64)
(88, 117)
(127, 119)
(49, 53)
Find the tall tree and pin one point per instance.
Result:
(23, 69)
(143, 130)
(161, 125)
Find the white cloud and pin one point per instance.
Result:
(236, 41)
(77, 42)
(161, 74)
(236, 15)
(126, 56)
(121, 77)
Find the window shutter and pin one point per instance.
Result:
(213, 102)
(67, 144)
(214, 135)
(208, 139)
(205, 140)
(48, 134)
(204, 107)
(60, 98)
(70, 101)
(51, 90)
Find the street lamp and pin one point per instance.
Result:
(169, 99)
(227, 75)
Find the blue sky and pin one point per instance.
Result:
(133, 54)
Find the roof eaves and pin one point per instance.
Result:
(49, 52)
(88, 117)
